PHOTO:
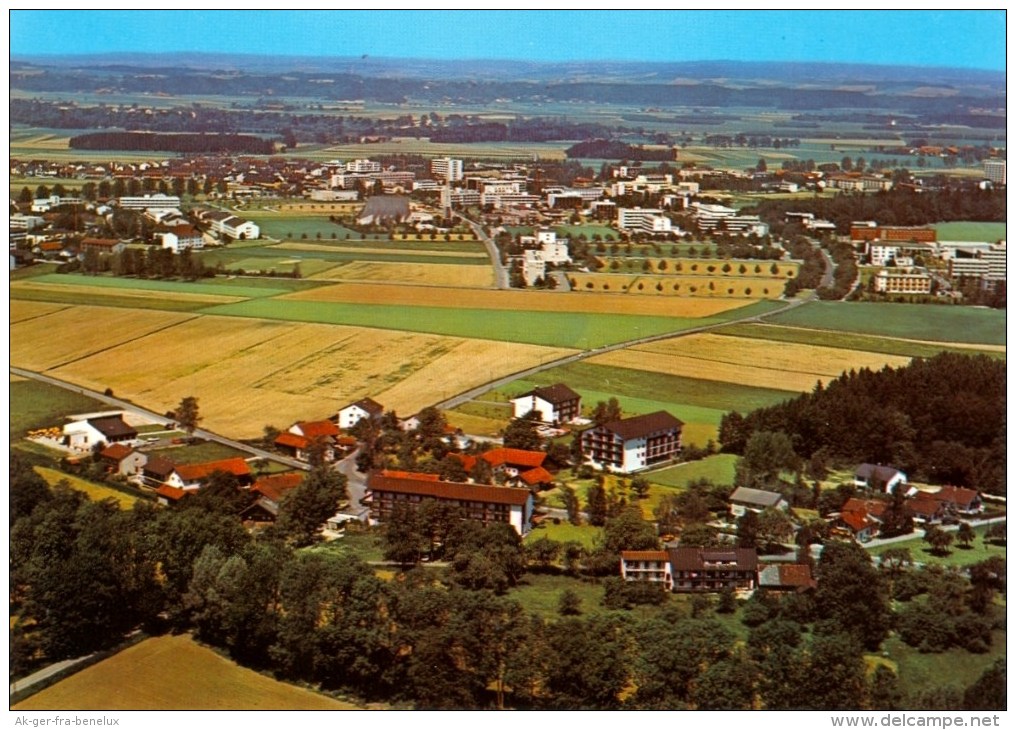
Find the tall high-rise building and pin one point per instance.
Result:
(994, 170)
(446, 168)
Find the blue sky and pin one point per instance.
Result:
(966, 39)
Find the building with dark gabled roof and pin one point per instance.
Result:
(713, 569)
(745, 499)
(555, 404)
(877, 476)
(87, 432)
(354, 412)
(478, 502)
(633, 443)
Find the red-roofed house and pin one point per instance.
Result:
(167, 495)
(124, 460)
(960, 501)
(477, 502)
(515, 465)
(269, 492)
(786, 577)
(925, 508)
(192, 476)
(858, 524)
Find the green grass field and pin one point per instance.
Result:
(970, 231)
(199, 453)
(936, 323)
(956, 667)
(37, 405)
(849, 341)
(957, 556)
(585, 535)
(107, 300)
(719, 469)
(562, 329)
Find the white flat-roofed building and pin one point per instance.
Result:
(994, 170)
(143, 202)
(903, 281)
(644, 220)
(446, 168)
(363, 166)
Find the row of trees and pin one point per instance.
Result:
(952, 433)
(186, 143)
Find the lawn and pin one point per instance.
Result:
(357, 543)
(957, 556)
(36, 405)
(565, 531)
(956, 667)
(936, 323)
(174, 673)
(94, 490)
(198, 453)
(539, 328)
(970, 231)
(719, 469)
(539, 594)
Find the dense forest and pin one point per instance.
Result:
(83, 574)
(896, 207)
(189, 143)
(615, 150)
(940, 419)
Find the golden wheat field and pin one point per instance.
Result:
(701, 267)
(247, 373)
(68, 334)
(22, 309)
(747, 361)
(174, 673)
(533, 301)
(84, 290)
(449, 275)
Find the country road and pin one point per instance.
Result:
(500, 272)
(157, 417)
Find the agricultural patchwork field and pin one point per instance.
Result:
(174, 673)
(752, 362)
(444, 275)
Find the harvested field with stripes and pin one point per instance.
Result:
(747, 361)
(250, 372)
(21, 310)
(71, 333)
(445, 275)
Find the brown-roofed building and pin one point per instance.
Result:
(86, 433)
(193, 476)
(713, 569)
(960, 501)
(123, 459)
(858, 524)
(786, 577)
(156, 471)
(477, 502)
(269, 492)
(354, 412)
(745, 499)
(692, 569)
(877, 476)
(633, 443)
(925, 508)
(102, 245)
(555, 404)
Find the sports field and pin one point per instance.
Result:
(174, 673)
(970, 231)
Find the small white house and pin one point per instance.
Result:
(876, 476)
(745, 500)
(83, 434)
(354, 412)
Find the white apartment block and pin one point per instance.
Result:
(143, 202)
(534, 267)
(644, 220)
(994, 170)
(446, 168)
(903, 281)
(363, 166)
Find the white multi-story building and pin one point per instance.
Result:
(143, 202)
(633, 443)
(709, 215)
(903, 281)
(994, 170)
(363, 166)
(644, 220)
(534, 267)
(182, 237)
(446, 168)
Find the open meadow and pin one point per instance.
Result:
(174, 673)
